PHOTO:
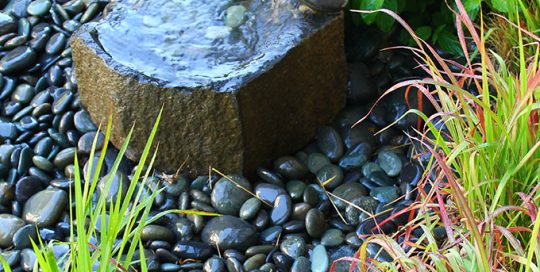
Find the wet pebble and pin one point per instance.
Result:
(83, 123)
(315, 223)
(385, 194)
(268, 192)
(229, 232)
(10, 225)
(7, 23)
(45, 208)
(87, 140)
(192, 250)
(39, 7)
(330, 175)
(341, 252)
(17, 60)
(293, 246)
(250, 208)
(26, 187)
(56, 44)
(330, 143)
(11, 257)
(227, 197)
(234, 265)
(389, 162)
(65, 157)
(290, 167)
(116, 187)
(282, 209)
(411, 173)
(23, 236)
(316, 161)
(157, 232)
(270, 235)
(296, 188)
(28, 259)
(319, 259)
(8, 131)
(363, 206)
(300, 264)
(347, 192)
(214, 264)
(332, 237)
(270, 176)
(254, 262)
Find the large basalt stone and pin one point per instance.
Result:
(233, 124)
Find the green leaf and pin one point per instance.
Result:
(385, 21)
(500, 5)
(435, 35)
(472, 7)
(5, 264)
(401, 6)
(424, 32)
(370, 5)
(449, 43)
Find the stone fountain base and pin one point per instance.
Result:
(234, 131)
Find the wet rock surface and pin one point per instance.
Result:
(291, 225)
(225, 90)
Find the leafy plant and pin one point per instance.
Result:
(482, 184)
(431, 19)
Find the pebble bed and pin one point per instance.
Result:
(292, 225)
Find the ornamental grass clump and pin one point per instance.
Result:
(113, 248)
(118, 245)
(477, 205)
(505, 36)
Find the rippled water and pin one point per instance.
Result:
(186, 42)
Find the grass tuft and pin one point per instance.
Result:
(122, 217)
(482, 180)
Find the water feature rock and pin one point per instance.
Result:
(226, 116)
(229, 232)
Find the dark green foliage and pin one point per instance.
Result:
(432, 20)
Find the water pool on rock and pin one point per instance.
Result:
(226, 91)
